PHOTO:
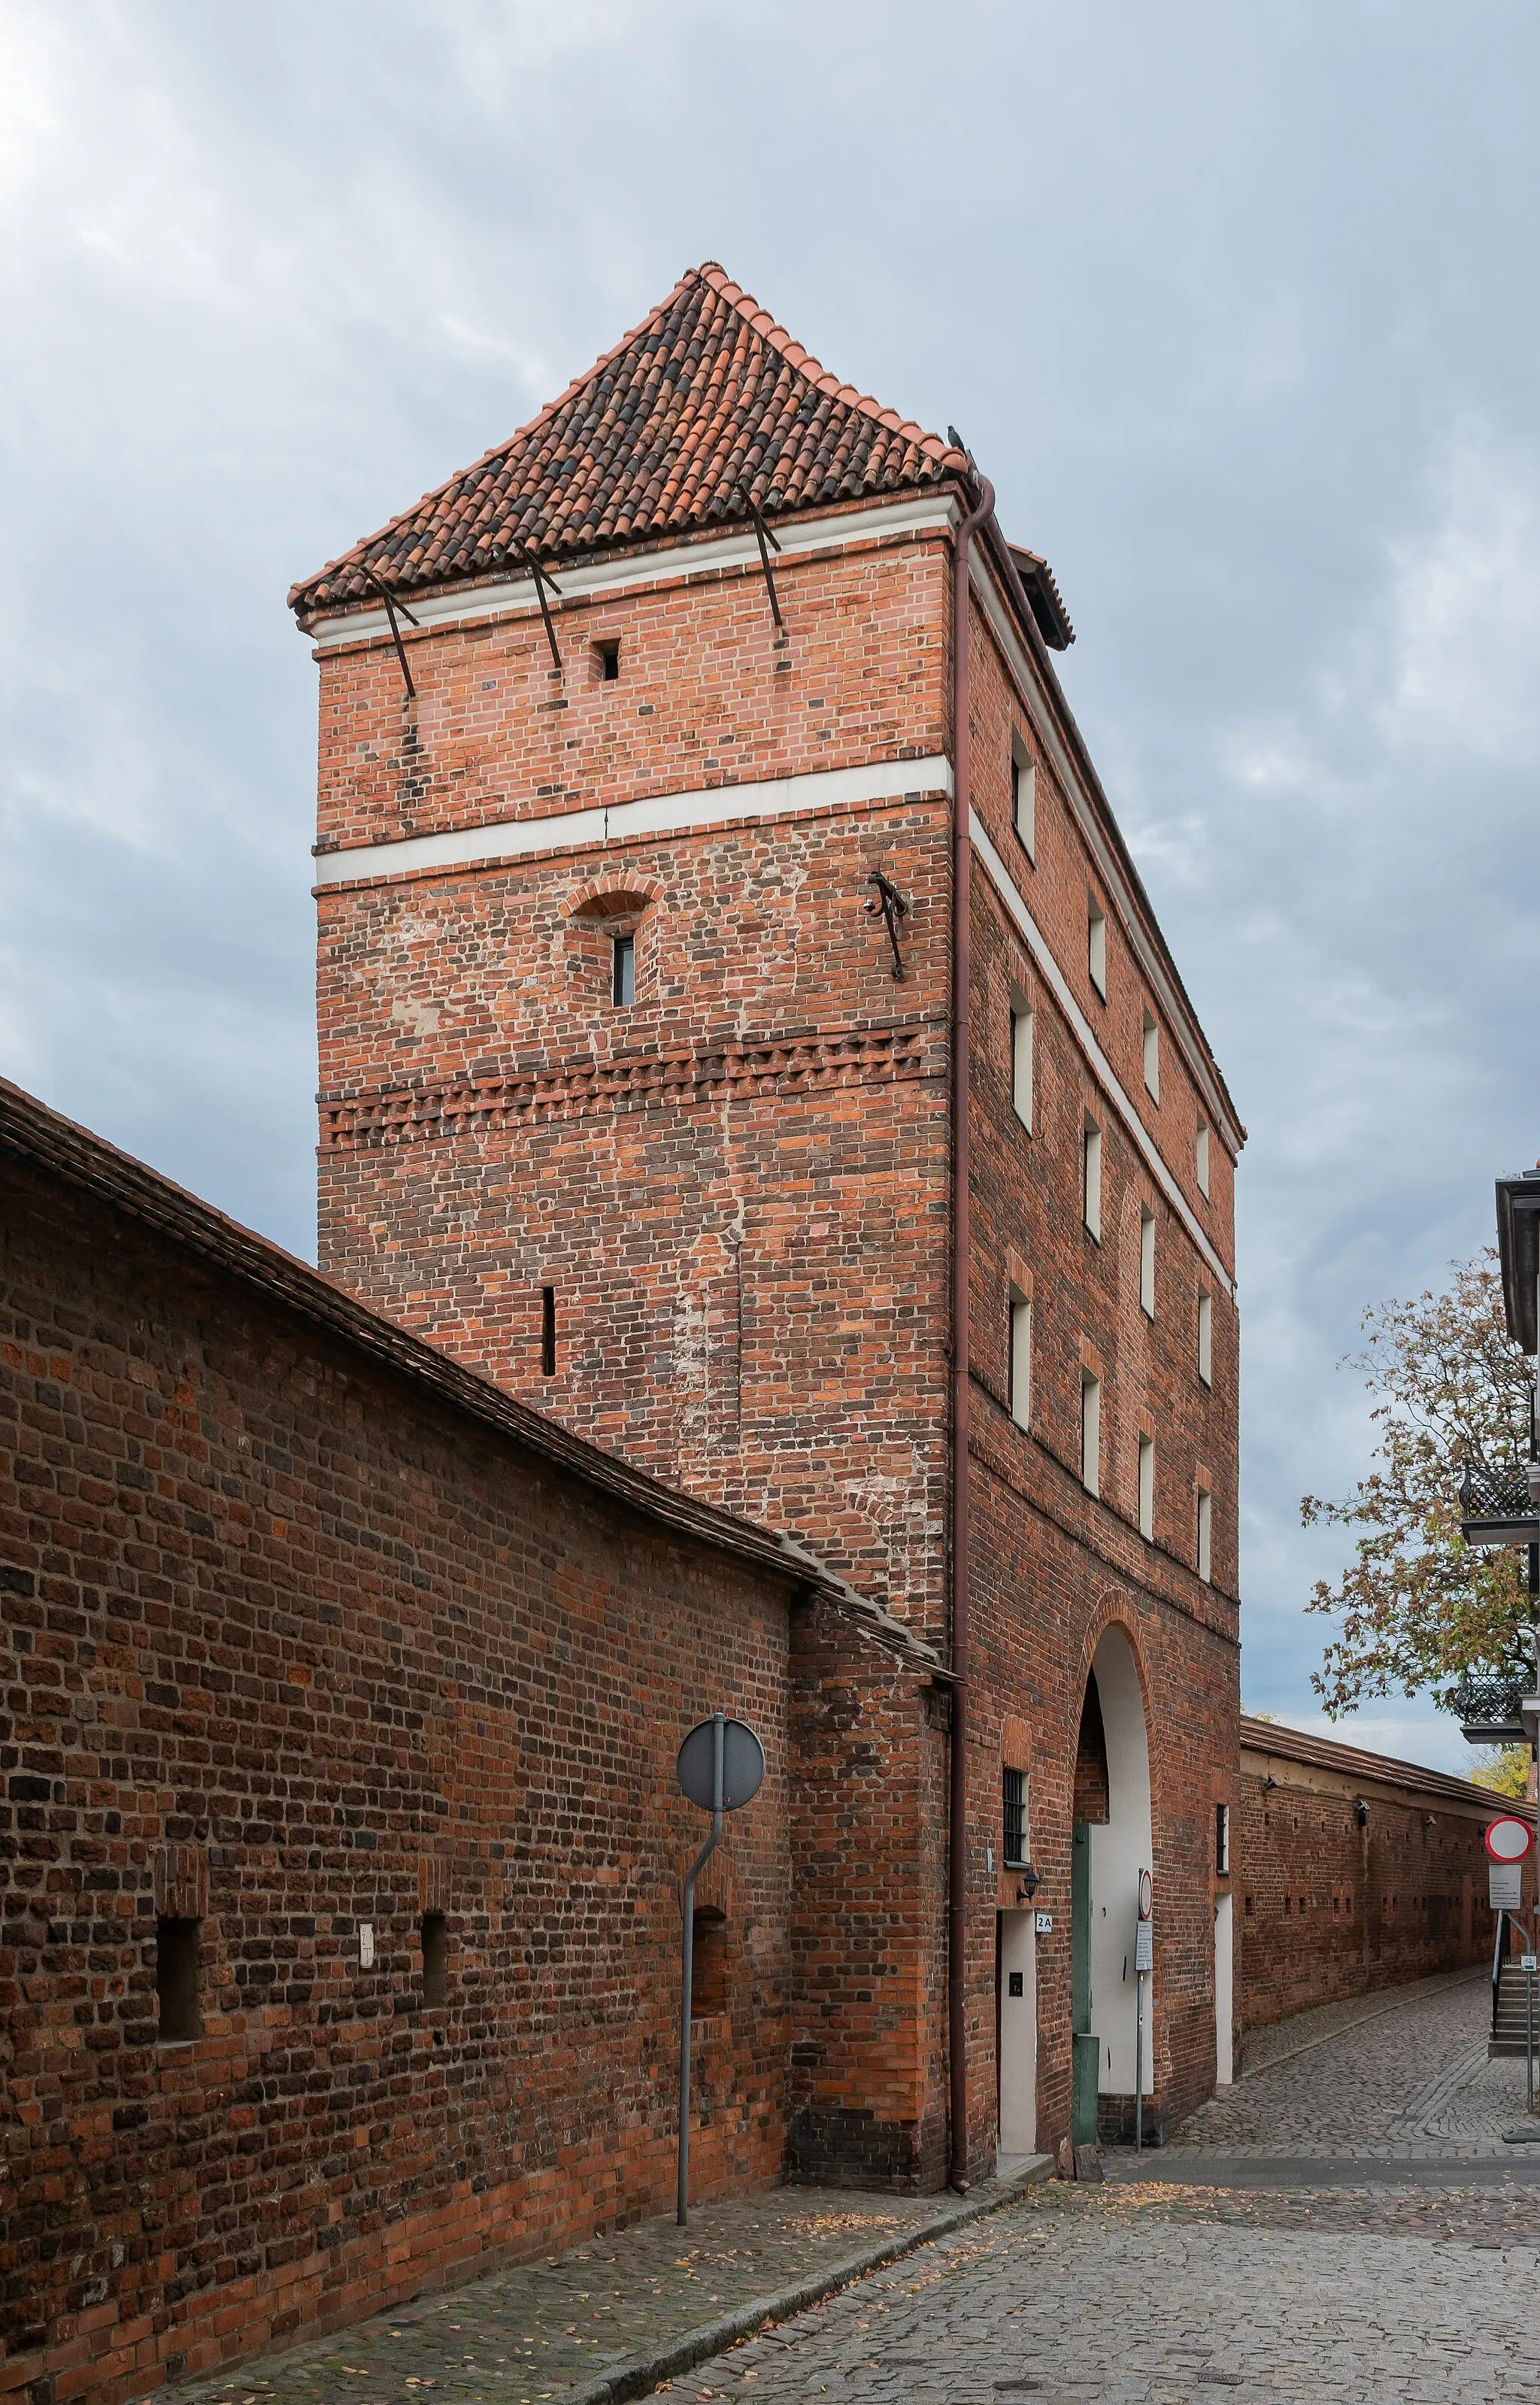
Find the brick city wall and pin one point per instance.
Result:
(1332, 1903)
(292, 1645)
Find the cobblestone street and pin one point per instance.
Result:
(1346, 2224)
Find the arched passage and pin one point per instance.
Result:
(1112, 1844)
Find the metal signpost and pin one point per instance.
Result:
(1509, 1842)
(722, 1763)
(1143, 1964)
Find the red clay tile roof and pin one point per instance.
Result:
(707, 407)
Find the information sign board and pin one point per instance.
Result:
(1505, 1886)
(1144, 1946)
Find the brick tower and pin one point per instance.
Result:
(639, 882)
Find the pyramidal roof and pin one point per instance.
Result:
(707, 409)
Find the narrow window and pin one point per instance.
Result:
(1024, 798)
(708, 1974)
(1021, 1059)
(1222, 1840)
(1091, 1178)
(1091, 1432)
(548, 1331)
(1146, 1260)
(609, 657)
(1201, 1158)
(1014, 1792)
(1021, 1359)
(1096, 945)
(1206, 1338)
(177, 1965)
(1205, 1515)
(1152, 1058)
(1146, 1487)
(622, 982)
(435, 1944)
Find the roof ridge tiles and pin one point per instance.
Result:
(705, 409)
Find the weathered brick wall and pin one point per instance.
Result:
(1326, 1909)
(283, 1632)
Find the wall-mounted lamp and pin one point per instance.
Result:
(1361, 1813)
(1026, 1887)
(1269, 1784)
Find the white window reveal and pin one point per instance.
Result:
(1146, 1486)
(1021, 1359)
(1091, 1432)
(1201, 1158)
(1096, 944)
(1090, 1181)
(1205, 1517)
(1022, 1035)
(1206, 1338)
(1152, 1057)
(623, 984)
(1146, 1259)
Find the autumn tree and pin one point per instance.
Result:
(1418, 1607)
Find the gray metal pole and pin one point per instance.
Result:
(1529, 2040)
(682, 2215)
(1139, 2066)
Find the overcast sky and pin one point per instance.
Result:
(1237, 308)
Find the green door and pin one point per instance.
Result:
(1087, 2049)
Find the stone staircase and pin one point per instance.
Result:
(1509, 2026)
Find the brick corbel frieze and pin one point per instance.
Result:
(581, 1089)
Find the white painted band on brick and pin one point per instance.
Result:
(819, 789)
(1088, 820)
(514, 595)
(1102, 1068)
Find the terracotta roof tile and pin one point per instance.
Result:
(707, 407)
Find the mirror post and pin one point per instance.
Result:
(719, 1722)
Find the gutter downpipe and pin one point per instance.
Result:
(962, 964)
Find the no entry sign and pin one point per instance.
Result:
(1509, 1840)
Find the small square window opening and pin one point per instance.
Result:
(607, 655)
(622, 982)
(435, 1945)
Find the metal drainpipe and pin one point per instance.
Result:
(963, 861)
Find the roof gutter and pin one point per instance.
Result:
(962, 965)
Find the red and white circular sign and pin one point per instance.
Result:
(1144, 1895)
(1509, 1840)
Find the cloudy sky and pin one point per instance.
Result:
(1237, 308)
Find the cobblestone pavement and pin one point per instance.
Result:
(542, 2328)
(1126, 2296)
(1261, 2046)
(1411, 2082)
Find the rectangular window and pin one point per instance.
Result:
(623, 983)
(548, 1331)
(1014, 1792)
(1146, 1487)
(1022, 1034)
(1091, 1432)
(435, 1943)
(1206, 1338)
(177, 1970)
(1091, 1178)
(1205, 1516)
(1201, 1159)
(1024, 798)
(608, 656)
(1146, 1260)
(1021, 1359)
(1096, 945)
(1222, 1840)
(1152, 1058)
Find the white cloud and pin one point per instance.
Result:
(1467, 610)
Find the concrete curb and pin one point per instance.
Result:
(641, 2373)
(1344, 2029)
